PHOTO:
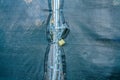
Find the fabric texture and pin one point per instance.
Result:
(92, 47)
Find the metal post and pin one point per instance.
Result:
(55, 38)
(54, 63)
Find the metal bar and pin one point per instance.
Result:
(56, 26)
(55, 37)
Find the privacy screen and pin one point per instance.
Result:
(92, 47)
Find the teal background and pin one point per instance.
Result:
(92, 48)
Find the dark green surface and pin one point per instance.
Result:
(92, 47)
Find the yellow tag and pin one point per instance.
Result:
(61, 42)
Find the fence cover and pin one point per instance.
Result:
(92, 48)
